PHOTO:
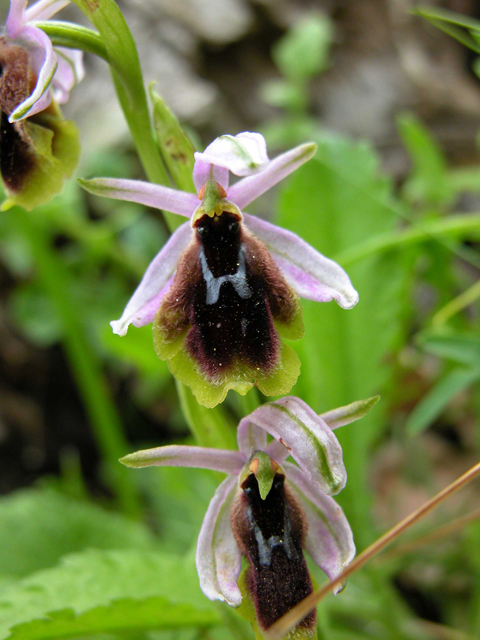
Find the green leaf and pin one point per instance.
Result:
(303, 51)
(175, 146)
(336, 201)
(39, 526)
(105, 592)
(461, 348)
(428, 181)
(451, 17)
(435, 401)
(125, 615)
(461, 27)
(284, 94)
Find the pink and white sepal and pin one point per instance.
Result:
(57, 69)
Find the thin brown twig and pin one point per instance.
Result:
(296, 615)
(436, 534)
(442, 632)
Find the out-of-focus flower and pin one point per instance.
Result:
(53, 70)
(226, 285)
(38, 148)
(270, 513)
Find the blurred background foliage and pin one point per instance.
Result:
(90, 549)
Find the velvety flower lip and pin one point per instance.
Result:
(311, 275)
(298, 432)
(57, 69)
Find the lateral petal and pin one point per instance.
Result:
(16, 18)
(155, 283)
(70, 71)
(308, 439)
(312, 275)
(185, 456)
(40, 98)
(151, 195)
(218, 557)
(351, 412)
(329, 538)
(44, 9)
(250, 188)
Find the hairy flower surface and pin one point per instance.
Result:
(224, 289)
(268, 512)
(38, 148)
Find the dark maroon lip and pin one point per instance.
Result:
(226, 294)
(231, 317)
(17, 158)
(270, 534)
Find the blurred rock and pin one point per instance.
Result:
(217, 21)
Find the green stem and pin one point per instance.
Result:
(457, 304)
(456, 226)
(250, 401)
(127, 76)
(74, 36)
(209, 426)
(86, 369)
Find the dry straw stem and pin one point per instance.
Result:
(442, 632)
(442, 532)
(282, 627)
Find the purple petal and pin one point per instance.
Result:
(329, 539)
(218, 557)
(155, 283)
(151, 195)
(249, 189)
(354, 411)
(16, 18)
(250, 437)
(308, 439)
(309, 273)
(44, 9)
(243, 154)
(70, 71)
(277, 450)
(40, 98)
(182, 456)
(204, 171)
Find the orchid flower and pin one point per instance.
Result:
(226, 284)
(39, 149)
(55, 70)
(268, 508)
